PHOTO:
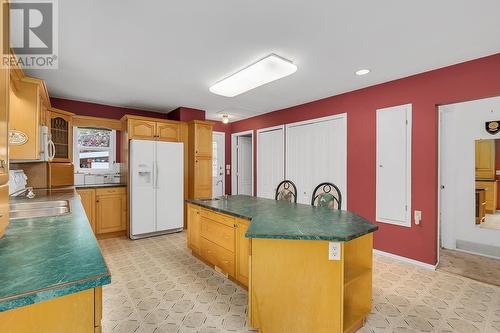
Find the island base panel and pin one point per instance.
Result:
(77, 313)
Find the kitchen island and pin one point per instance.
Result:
(308, 269)
(52, 271)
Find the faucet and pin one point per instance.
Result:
(28, 191)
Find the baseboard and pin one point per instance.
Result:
(404, 259)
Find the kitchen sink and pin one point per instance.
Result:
(22, 210)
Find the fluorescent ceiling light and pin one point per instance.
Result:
(362, 72)
(266, 70)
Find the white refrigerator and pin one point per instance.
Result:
(156, 178)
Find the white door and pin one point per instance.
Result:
(244, 165)
(218, 162)
(169, 184)
(270, 161)
(142, 192)
(316, 152)
(393, 175)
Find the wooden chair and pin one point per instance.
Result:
(327, 195)
(286, 191)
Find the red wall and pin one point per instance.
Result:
(467, 81)
(186, 114)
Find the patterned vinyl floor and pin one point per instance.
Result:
(473, 266)
(157, 286)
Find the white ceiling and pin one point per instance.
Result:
(158, 55)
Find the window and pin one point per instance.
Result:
(95, 149)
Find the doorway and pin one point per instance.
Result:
(242, 161)
(468, 232)
(218, 163)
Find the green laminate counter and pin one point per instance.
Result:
(283, 220)
(106, 185)
(48, 257)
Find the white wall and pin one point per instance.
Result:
(462, 124)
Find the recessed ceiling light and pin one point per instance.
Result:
(268, 69)
(362, 72)
(225, 118)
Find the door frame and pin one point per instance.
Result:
(267, 129)
(223, 161)
(234, 160)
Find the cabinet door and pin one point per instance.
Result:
(203, 140)
(242, 252)
(203, 177)
(61, 135)
(110, 214)
(4, 208)
(4, 107)
(87, 197)
(194, 229)
(167, 131)
(141, 129)
(485, 159)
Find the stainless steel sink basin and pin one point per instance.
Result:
(22, 210)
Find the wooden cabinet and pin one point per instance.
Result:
(4, 97)
(111, 210)
(242, 252)
(194, 229)
(485, 159)
(106, 209)
(200, 159)
(61, 134)
(480, 205)
(220, 240)
(143, 128)
(168, 131)
(4, 208)
(491, 188)
(60, 174)
(87, 196)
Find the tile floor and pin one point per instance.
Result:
(157, 286)
(473, 266)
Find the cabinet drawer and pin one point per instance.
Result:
(218, 233)
(218, 256)
(221, 218)
(111, 190)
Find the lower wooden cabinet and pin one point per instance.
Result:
(106, 209)
(220, 240)
(490, 187)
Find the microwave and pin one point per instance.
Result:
(47, 147)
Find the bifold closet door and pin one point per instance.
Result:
(270, 161)
(316, 152)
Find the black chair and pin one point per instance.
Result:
(327, 195)
(286, 191)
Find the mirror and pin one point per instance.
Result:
(487, 163)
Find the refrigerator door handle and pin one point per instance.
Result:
(153, 183)
(157, 173)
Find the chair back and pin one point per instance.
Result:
(327, 195)
(286, 191)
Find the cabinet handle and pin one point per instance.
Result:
(97, 201)
(2, 164)
(196, 152)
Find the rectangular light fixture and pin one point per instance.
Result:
(268, 69)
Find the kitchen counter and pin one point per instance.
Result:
(283, 220)
(48, 257)
(85, 186)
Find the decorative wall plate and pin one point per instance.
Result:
(17, 137)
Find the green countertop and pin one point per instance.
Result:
(48, 257)
(283, 220)
(85, 186)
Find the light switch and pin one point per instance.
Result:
(417, 215)
(334, 251)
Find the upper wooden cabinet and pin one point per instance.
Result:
(485, 159)
(143, 128)
(200, 159)
(61, 133)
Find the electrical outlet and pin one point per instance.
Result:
(334, 251)
(417, 215)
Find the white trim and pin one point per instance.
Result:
(409, 116)
(269, 129)
(404, 259)
(234, 158)
(223, 162)
(319, 120)
(438, 213)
